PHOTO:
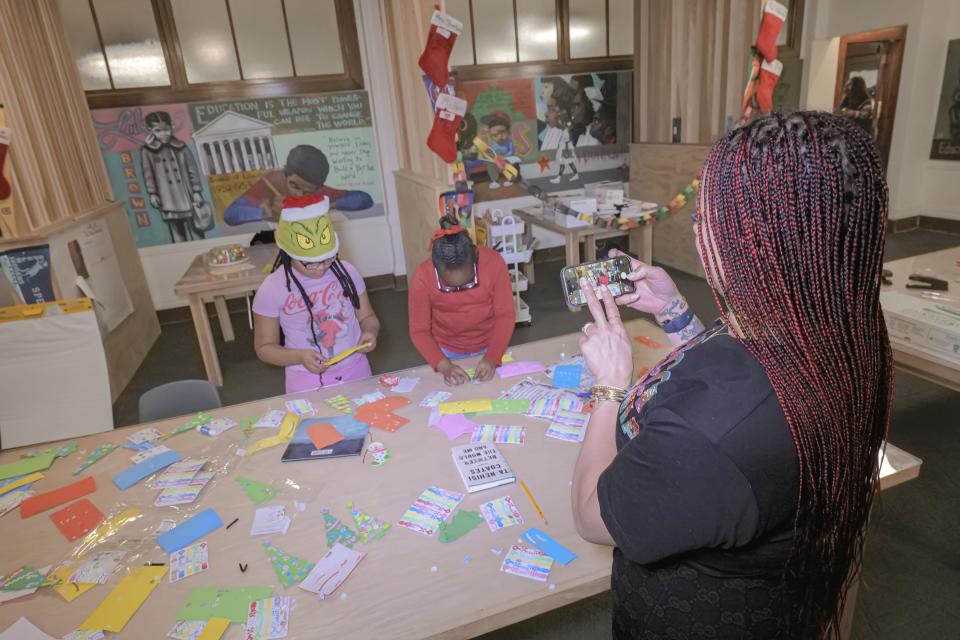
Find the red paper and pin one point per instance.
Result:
(648, 342)
(50, 499)
(380, 414)
(77, 519)
(323, 435)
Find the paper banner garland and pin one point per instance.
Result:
(337, 531)
(368, 527)
(259, 492)
(289, 569)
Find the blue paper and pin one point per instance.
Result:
(132, 475)
(536, 538)
(567, 376)
(189, 531)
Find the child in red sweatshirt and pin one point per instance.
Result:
(461, 305)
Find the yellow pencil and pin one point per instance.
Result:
(534, 502)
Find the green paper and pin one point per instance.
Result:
(504, 405)
(462, 523)
(24, 466)
(100, 452)
(24, 578)
(259, 492)
(337, 531)
(199, 419)
(212, 602)
(368, 527)
(289, 569)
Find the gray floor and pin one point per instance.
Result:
(911, 573)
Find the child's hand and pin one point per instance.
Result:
(485, 370)
(155, 200)
(452, 374)
(312, 361)
(368, 336)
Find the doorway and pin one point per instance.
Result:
(871, 61)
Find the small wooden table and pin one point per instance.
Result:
(201, 283)
(640, 238)
(395, 591)
(944, 265)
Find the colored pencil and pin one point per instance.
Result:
(533, 501)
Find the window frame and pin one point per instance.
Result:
(181, 90)
(563, 65)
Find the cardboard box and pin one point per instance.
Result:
(933, 327)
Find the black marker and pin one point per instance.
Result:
(235, 521)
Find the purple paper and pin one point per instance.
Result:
(455, 425)
(519, 368)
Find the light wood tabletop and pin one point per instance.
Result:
(408, 586)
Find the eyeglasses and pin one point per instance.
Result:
(322, 263)
(463, 287)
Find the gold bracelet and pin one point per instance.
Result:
(602, 392)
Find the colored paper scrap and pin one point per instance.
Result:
(24, 466)
(118, 607)
(270, 420)
(332, 570)
(214, 629)
(434, 398)
(289, 569)
(379, 454)
(8, 595)
(95, 456)
(198, 420)
(283, 436)
(380, 413)
(189, 531)
(258, 492)
(109, 528)
(69, 591)
(323, 435)
(406, 385)
(23, 481)
(499, 434)
(368, 527)
(509, 405)
(567, 376)
(299, 407)
(565, 432)
(180, 473)
(23, 629)
(216, 426)
(268, 618)
(346, 353)
(155, 450)
(465, 406)
(648, 342)
(462, 523)
(184, 494)
(24, 578)
(270, 520)
(189, 561)
(43, 501)
(97, 568)
(432, 507)
(336, 531)
(132, 475)
(501, 513)
(537, 538)
(77, 520)
(519, 368)
(527, 562)
(341, 403)
(149, 434)
(217, 602)
(367, 398)
(12, 500)
(189, 629)
(84, 634)
(455, 425)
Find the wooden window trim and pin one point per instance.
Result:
(180, 90)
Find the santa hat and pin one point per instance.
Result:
(305, 231)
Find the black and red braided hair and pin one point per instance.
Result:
(792, 224)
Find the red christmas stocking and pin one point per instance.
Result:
(443, 34)
(446, 123)
(774, 14)
(4, 145)
(769, 74)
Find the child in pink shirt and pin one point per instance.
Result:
(318, 301)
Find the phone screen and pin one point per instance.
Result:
(611, 273)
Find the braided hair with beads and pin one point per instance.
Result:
(452, 251)
(791, 230)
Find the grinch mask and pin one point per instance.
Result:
(305, 232)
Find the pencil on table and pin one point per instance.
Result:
(534, 502)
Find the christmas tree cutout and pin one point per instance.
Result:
(289, 569)
(337, 531)
(463, 522)
(259, 492)
(368, 527)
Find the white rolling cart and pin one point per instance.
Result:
(506, 236)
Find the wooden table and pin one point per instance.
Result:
(939, 264)
(640, 239)
(200, 284)
(394, 593)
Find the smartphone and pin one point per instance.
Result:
(611, 272)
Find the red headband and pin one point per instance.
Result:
(439, 233)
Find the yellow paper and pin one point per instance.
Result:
(214, 629)
(118, 607)
(345, 354)
(107, 529)
(69, 591)
(464, 406)
(506, 358)
(284, 435)
(33, 477)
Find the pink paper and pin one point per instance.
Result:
(455, 425)
(519, 368)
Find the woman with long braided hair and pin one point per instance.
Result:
(461, 305)
(735, 479)
(317, 300)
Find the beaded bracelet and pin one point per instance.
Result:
(606, 392)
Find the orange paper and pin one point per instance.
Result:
(324, 435)
(50, 499)
(77, 519)
(648, 342)
(380, 414)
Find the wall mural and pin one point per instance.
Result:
(211, 169)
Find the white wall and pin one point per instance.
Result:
(918, 185)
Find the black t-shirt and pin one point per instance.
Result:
(701, 496)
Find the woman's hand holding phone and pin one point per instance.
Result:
(655, 289)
